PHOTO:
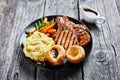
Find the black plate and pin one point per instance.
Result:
(66, 65)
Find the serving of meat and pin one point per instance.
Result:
(66, 39)
(82, 34)
(64, 23)
(80, 30)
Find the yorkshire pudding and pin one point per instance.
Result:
(55, 55)
(75, 54)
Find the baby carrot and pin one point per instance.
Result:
(51, 30)
(44, 31)
(50, 26)
(43, 27)
(48, 34)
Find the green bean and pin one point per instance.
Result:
(37, 27)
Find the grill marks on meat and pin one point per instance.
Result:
(84, 38)
(82, 34)
(66, 39)
(70, 33)
(81, 27)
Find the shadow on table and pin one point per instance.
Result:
(60, 74)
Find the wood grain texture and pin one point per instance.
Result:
(61, 7)
(103, 55)
(118, 5)
(16, 17)
(6, 23)
(101, 64)
(114, 23)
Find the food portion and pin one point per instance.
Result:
(82, 33)
(44, 26)
(55, 55)
(56, 40)
(75, 54)
(80, 30)
(66, 38)
(36, 46)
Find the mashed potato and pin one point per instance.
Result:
(36, 46)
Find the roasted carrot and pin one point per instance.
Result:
(48, 34)
(51, 30)
(41, 29)
(44, 31)
(44, 27)
(50, 27)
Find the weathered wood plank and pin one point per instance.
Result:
(13, 66)
(62, 7)
(114, 23)
(6, 23)
(68, 8)
(101, 64)
(118, 5)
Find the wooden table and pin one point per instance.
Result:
(103, 62)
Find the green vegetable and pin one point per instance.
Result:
(41, 23)
(37, 26)
(52, 21)
(42, 20)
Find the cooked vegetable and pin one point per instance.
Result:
(52, 21)
(44, 26)
(46, 21)
(40, 24)
(36, 25)
(48, 34)
(30, 31)
(51, 30)
(50, 27)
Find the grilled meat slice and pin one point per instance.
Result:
(64, 23)
(66, 38)
(80, 26)
(80, 30)
(82, 34)
(62, 19)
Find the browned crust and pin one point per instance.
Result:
(60, 58)
(79, 57)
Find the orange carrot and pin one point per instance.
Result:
(50, 27)
(48, 34)
(44, 31)
(51, 30)
(43, 27)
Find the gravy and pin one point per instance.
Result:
(90, 12)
